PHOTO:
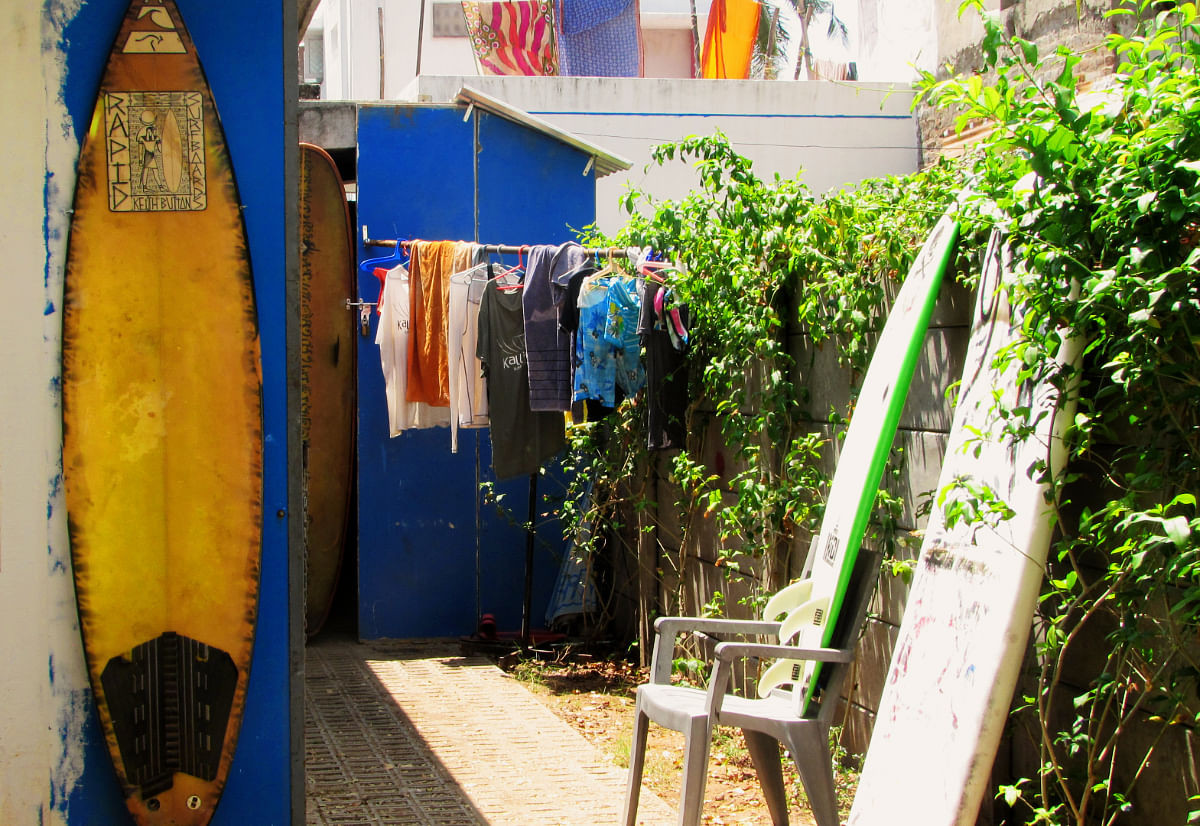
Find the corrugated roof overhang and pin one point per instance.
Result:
(604, 162)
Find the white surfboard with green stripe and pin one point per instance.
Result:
(813, 604)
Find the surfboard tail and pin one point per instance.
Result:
(170, 703)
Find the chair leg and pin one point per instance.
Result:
(637, 763)
(810, 751)
(764, 752)
(695, 771)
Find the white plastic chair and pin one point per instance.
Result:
(773, 719)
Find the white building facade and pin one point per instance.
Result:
(373, 49)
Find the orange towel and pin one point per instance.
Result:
(430, 265)
(729, 39)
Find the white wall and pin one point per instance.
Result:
(40, 743)
(667, 46)
(837, 133)
(896, 39)
(955, 33)
(352, 47)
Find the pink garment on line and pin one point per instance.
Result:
(512, 37)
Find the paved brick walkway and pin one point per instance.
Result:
(415, 733)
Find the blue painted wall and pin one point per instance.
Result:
(241, 46)
(418, 170)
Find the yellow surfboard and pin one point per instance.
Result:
(327, 384)
(162, 420)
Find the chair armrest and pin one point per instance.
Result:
(666, 628)
(729, 651)
(673, 625)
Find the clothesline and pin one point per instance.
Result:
(502, 249)
(573, 335)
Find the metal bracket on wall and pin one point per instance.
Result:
(364, 314)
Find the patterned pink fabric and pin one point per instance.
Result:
(513, 37)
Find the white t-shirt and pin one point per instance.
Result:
(468, 393)
(392, 338)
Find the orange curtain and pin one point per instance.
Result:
(729, 39)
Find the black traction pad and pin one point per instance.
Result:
(170, 705)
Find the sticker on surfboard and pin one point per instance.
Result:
(155, 149)
(162, 424)
(162, 38)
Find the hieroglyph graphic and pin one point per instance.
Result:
(155, 151)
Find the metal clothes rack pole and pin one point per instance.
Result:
(499, 249)
(530, 535)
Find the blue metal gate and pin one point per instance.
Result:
(431, 553)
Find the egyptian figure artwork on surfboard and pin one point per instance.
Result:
(162, 423)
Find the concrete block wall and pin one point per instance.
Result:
(1048, 23)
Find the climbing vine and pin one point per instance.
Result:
(1098, 194)
(770, 273)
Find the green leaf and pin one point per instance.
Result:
(975, 86)
(1011, 795)
(1177, 530)
(1029, 51)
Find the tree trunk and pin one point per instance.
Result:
(804, 58)
(647, 568)
(769, 71)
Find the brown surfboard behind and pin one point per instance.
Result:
(327, 346)
(162, 418)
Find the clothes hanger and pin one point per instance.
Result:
(475, 273)
(588, 266)
(654, 269)
(661, 275)
(369, 265)
(608, 269)
(475, 279)
(653, 266)
(381, 267)
(512, 279)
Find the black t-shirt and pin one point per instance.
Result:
(521, 438)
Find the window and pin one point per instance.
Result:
(448, 20)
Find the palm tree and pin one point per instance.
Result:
(695, 41)
(770, 46)
(806, 10)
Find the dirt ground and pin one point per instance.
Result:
(596, 698)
